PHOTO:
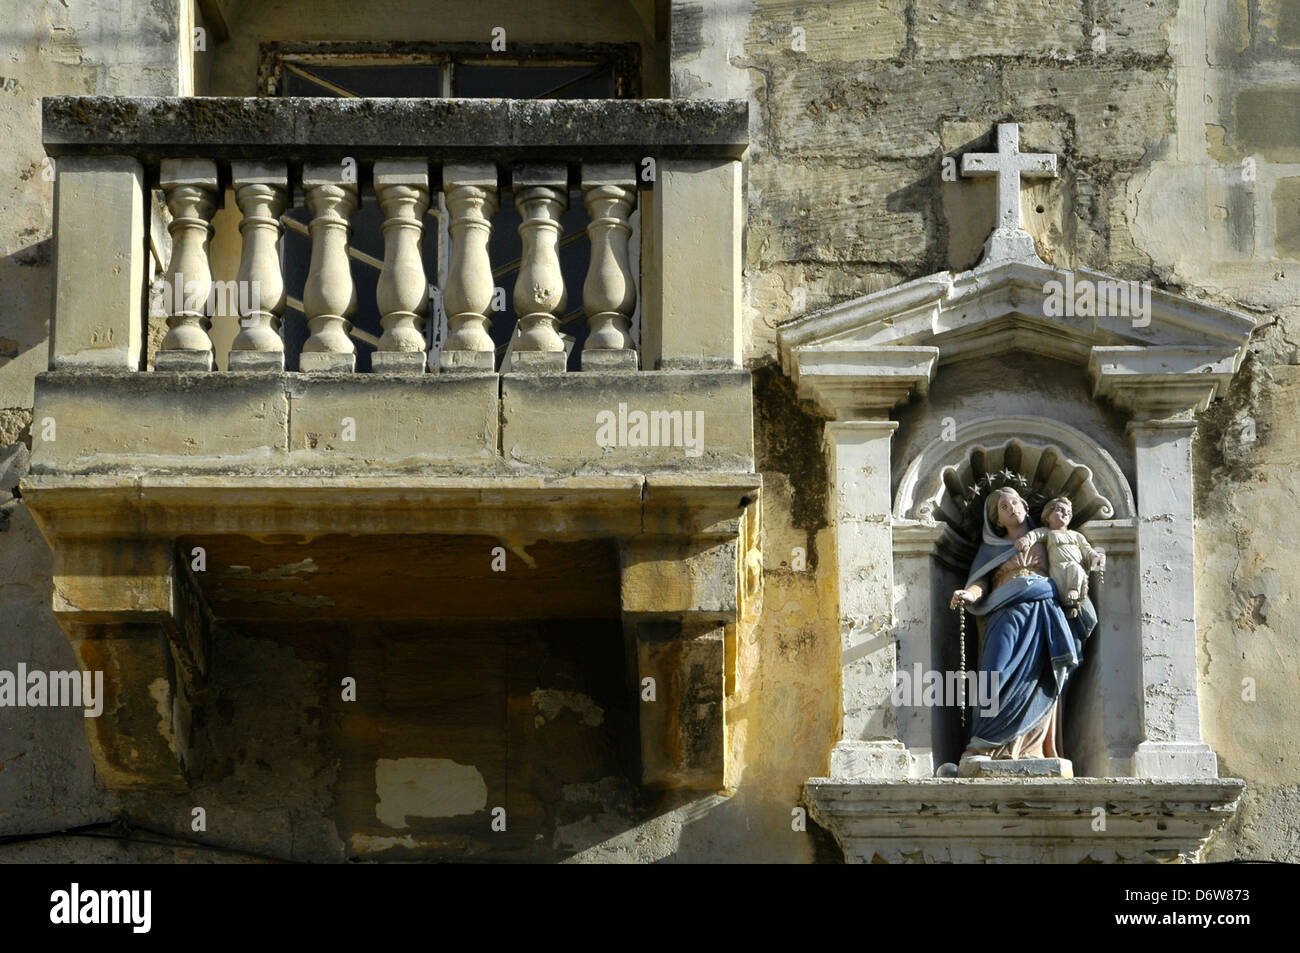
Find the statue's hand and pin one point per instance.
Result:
(1099, 560)
(960, 596)
(1023, 544)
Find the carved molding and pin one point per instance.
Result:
(988, 311)
(848, 383)
(922, 487)
(948, 482)
(1158, 382)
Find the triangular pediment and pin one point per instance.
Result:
(893, 341)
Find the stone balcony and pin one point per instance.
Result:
(648, 447)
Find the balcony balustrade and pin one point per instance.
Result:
(672, 168)
(647, 449)
(683, 156)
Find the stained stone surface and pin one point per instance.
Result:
(463, 129)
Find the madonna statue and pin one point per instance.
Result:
(1028, 641)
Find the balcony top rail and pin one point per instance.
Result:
(300, 129)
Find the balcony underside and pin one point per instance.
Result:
(439, 580)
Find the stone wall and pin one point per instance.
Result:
(129, 47)
(1173, 123)
(1154, 107)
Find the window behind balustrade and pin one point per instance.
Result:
(603, 71)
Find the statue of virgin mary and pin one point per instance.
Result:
(1028, 641)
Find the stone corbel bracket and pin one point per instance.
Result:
(863, 382)
(1040, 820)
(131, 606)
(685, 597)
(1159, 382)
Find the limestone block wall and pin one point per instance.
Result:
(1154, 108)
(1174, 123)
(128, 47)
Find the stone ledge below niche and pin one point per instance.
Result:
(1023, 820)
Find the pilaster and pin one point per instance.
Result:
(869, 747)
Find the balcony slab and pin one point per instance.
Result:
(261, 423)
(400, 419)
(525, 508)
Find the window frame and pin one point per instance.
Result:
(624, 58)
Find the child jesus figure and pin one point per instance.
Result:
(1069, 554)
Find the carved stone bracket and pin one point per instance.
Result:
(853, 383)
(1158, 382)
(684, 600)
(1022, 821)
(131, 611)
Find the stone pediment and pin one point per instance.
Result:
(865, 356)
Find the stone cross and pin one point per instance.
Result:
(1009, 241)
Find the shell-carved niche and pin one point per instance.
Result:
(1038, 474)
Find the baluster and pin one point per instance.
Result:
(471, 192)
(402, 186)
(541, 194)
(261, 191)
(609, 293)
(191, 189)
(329, 297)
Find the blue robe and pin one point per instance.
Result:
(1029, 643)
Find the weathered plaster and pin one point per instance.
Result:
(426, 787)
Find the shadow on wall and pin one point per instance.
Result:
(27, 280)
(484, 741)
(47, 781)
(472, 742)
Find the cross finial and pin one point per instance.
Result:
(1009, 241)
